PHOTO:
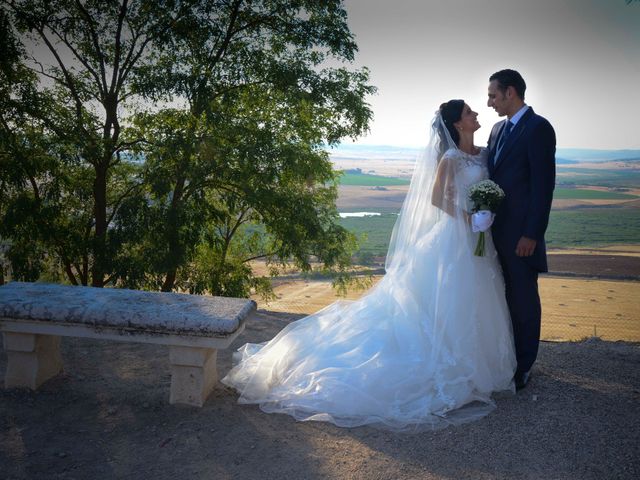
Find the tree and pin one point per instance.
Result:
(96, 50)
(252, 72)
(241, 153)
(250, 192)
(29, 176)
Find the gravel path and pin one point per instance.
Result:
(108, 416)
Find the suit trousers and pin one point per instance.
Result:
(521, 288)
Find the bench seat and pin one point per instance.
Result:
(33, 317)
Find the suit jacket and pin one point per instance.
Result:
(525, 169)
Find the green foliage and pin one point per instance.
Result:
(182, 196)
(62, 125)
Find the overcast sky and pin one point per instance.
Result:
(580, 59)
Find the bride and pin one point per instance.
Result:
(425, 347)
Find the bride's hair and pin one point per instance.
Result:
(450, 112)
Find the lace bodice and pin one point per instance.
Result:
(462, 170)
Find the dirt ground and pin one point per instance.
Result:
(603, 265)
(573, 308)
(589, 292)
(108, 417)
(370, 198)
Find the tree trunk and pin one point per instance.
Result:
(100, 216)
(173, 224)
(169, 280)
(68, 270)
(110, 136)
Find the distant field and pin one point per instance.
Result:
(598, 177)
(584, 194)
(376, 229)
(593, 226)
(614, 178)
(366, 180)
(380, 198)
(582, 216)
(584, 227)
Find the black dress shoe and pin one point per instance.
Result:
(521, 379)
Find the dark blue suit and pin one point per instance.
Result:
(525, 169)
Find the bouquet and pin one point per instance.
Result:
(485, 196)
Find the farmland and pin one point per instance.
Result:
(602, 208)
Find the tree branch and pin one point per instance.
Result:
(132, 58)
(270, 254)
(43, 73)
(80, 58)
(238, 223)
(126, 145)
(124, 72)
(116, 60)
(120, 199)
(67, 75)
(235, 9)
(34, 185)
(96, 43)
(67, 269)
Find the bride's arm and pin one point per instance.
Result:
(443, 192)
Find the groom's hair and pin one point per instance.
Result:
(509, 78)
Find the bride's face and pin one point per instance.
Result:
(468, 120)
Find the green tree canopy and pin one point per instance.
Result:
(218, 160)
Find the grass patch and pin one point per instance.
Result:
(592, 227)
(583, 227)
(366, 180)
(582, 194)
(376, 209)
(598, 178)
(376, 229)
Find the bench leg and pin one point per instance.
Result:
(31, 359)
(193, 374)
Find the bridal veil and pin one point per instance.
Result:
(423, 349)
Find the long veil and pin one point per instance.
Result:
(423, 349)
(418, 215)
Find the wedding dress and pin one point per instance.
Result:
(424, 348)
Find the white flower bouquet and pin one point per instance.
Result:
(485, 197)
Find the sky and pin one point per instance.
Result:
(579, 58)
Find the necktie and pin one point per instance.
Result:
(505, 134)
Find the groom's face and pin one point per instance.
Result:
(498, 99)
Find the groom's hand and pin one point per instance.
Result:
(525, 247)
(481, 221)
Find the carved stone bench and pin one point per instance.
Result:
(33, 317)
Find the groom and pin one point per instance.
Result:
(522, 161)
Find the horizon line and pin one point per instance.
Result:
(600, 149)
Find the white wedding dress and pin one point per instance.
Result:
(424, 348)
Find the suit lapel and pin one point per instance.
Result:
(515, 134)
(493, 146)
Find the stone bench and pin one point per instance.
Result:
(33, 317)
